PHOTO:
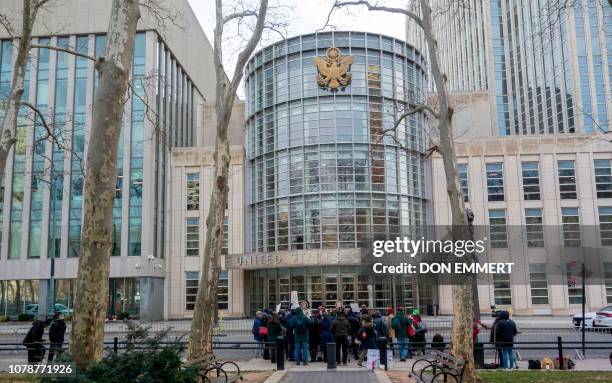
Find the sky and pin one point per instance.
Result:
(306, 16)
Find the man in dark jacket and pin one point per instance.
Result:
(505, 331)
(367, 337)
(326, 334)
(353, 319)
(400, 324)
(314, 335)
(341, 328)
(34, 341)
(300, 324)
(56, 336)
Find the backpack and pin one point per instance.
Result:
(263, 331)
(381, 328)
(300, 325)
(396, 323)
(411, 331)
(534, 364)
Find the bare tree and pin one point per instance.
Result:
(200, 340)
(9, 124)
(442, 113)
(100, 183)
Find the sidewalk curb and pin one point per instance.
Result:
(276, 377)
(382, 376)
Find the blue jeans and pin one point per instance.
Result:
(507, 356)
(301, 352)
(404, 347)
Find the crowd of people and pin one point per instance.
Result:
(34, 341)
(305, 333)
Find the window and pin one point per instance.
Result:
(463, 177)
(531, 181)
(192, 281)
(193, 237)
(223, 290)
(603, 178)
(571, 226)
(574, 283)
(193, 191)
(534, 227)
(501, 289)
(605, 225)
(567, 180)
(608, 281)
(224, 244)
(538, 283)
(497, 223)
(495, 182)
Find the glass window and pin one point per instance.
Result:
(538, 283)
(193, 191)
(495, 182)
(605, 225)
(192, 247)
(534, 227)
(574, 282)
(499, 234)
(192, 281)
(571, 226)
(501, 289)
(531, 181)
(608, 281)
(567, 180)
(603, 178)
(223, 290)
(463, 177)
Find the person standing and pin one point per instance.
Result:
(300, 324)
(420, 329)
(367, 337)
(57, 331)
(400, 324)
(355, 323)
(275, 330)
(341, 329)
(314, 337)
(256, 332)
(505, 331)
(326, 334)
(34, 341)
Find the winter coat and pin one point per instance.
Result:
(300, 317)
(354, 322)
(274, 331)
(380, 325)
(314, 331)
(57, 331)
(341, 327)
(255, 330)
(389, 326)
(400, 324)
(505, 331)
(367, 336)
(326, 333)
(35, 335)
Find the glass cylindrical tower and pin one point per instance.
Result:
(321, 172)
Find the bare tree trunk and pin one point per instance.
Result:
(100, 182)
(9, 125)
(200, 339)
(462, 345)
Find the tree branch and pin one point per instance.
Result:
(374, 7)
(5, 22)
(239, 15)
(66, 50)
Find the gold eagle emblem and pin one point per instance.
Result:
(333, 69)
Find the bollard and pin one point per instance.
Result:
(331, 356)
(280, 353)
(382, 341)
(478, 355)
(560, 347)
(115, 344)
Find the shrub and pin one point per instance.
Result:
(151, 362)
(23, 317)
(67, 318)
(3, 318)
(123, 316)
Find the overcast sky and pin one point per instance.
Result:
(310, 15)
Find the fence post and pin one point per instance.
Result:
(560, 347)
(331, 356)
(115, 344)
(280, 353)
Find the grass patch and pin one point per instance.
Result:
(545, 376)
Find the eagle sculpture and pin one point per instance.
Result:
(334, 69)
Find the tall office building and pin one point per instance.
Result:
(546, 64)
(41, 211)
